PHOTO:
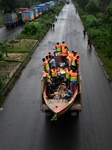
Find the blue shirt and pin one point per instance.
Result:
(70, 92)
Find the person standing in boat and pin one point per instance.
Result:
(52, 62)
(69, 58)
(58, 48)
(63, 45)
(47, 75)
(67, 77)
(73, 79)
(47, 59)
(73, 62)
(64, 53)
(54, 75)
(48, 55)
(45, 64)
(77, 61)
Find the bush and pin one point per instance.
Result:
(32, 28)
(99, 29)
(40, 26)
(109, 52)
(88, 21)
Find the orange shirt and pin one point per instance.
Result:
(47, 54)
(63, 45)
(64, 52)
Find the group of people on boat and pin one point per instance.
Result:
(65, 73)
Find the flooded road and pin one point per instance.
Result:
(24, 127)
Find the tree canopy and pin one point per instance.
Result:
(10, 6)
(92, 7)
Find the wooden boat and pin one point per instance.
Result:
(59, 105)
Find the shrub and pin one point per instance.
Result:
(88, 20)
(109, 52)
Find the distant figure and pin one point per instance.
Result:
(89, 43)
(56, 18)
(53, 26)
(84, 33)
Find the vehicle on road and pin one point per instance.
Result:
(59, 104)
(25, 15)
(10, 19)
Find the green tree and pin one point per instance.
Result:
(105, 3)
(10, 6)
(92, 7)
(82, 3)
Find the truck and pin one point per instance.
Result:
(51, 3)
(10, 19)
(43, 7)
(47, 5)
(27, 16)
(20, 14)
(39, 10)
(36, 13)
(23, 9)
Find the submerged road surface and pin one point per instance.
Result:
(24, 127)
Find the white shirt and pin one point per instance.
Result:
(52, 63)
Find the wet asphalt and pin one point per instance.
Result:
(10, 33)
(24, 127)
